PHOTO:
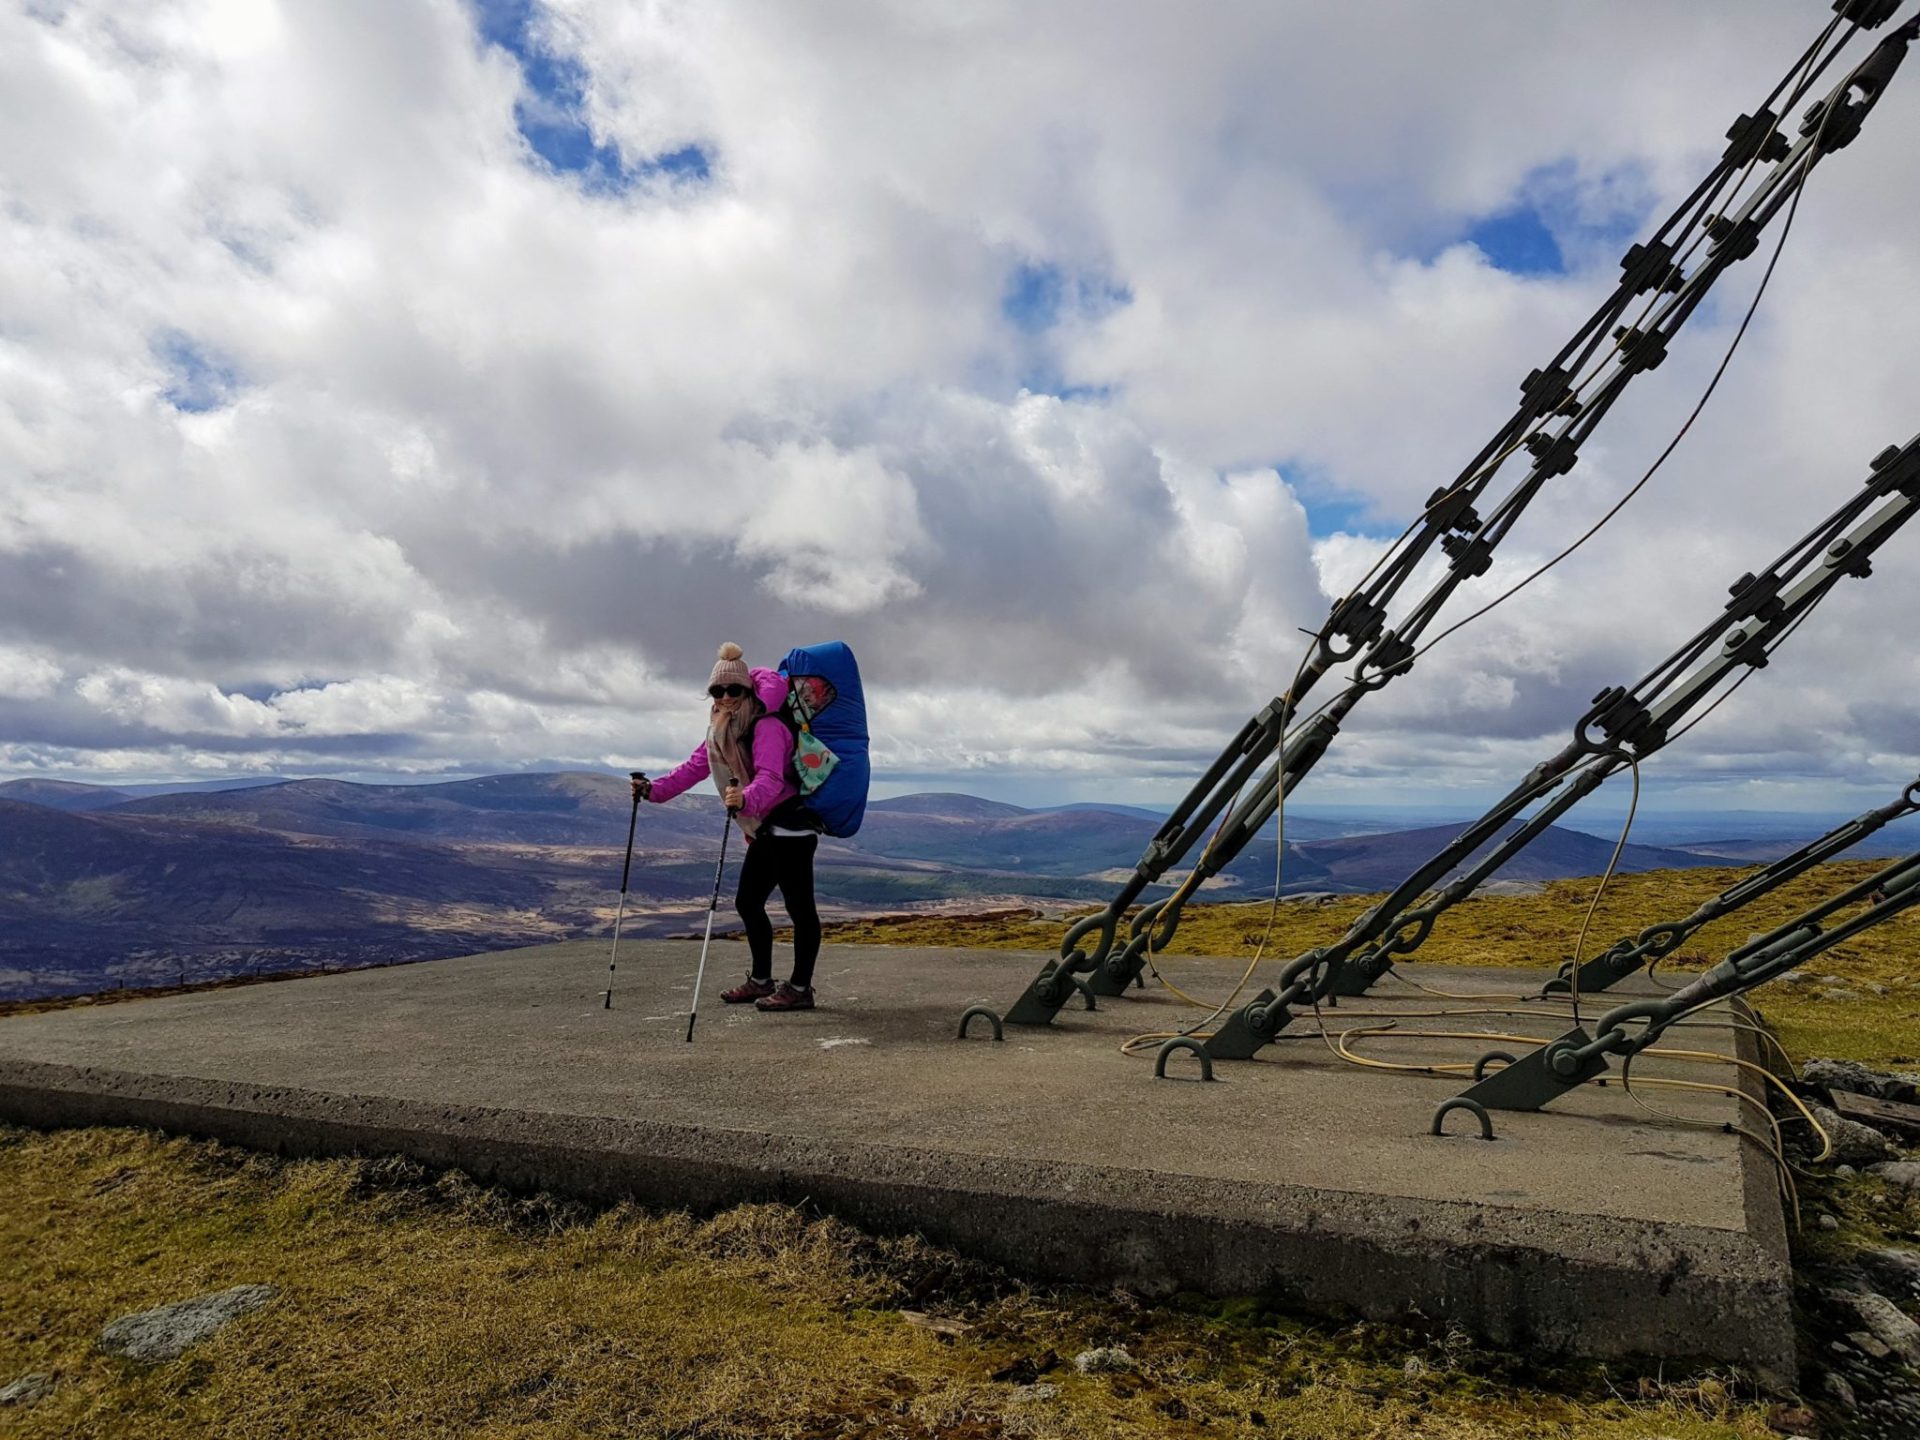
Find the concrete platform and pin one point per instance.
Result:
(1596, 1228)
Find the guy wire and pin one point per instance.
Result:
(1486, 471)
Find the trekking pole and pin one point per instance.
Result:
(693, 1011)
(625, 870)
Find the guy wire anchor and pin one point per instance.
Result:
(1758, 175)
(1623, 727)
(1576, 1057)
(1655, 942)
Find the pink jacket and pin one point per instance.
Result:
(773, 781)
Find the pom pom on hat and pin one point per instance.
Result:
(730, 669)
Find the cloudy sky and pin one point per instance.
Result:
(427, 388)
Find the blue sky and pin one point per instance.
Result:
(552, 117)
(198, 379)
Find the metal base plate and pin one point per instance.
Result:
(1529, 1083)
(1032, 1008)
(1236, 1040)
(1596, 975)
(1351, 980)
(1103, 981)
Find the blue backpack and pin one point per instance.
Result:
(828, 712)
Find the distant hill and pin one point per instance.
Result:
(945, 805)
(1379, 862)
(77, 795)
(62, 794)
(96, 887)
(1143, 811)
(1898, 839)
(88, 896)
(565, 808)
(311, 872)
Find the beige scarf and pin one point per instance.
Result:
(727, 753)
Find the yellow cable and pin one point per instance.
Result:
(1444, 1068)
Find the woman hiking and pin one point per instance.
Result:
(749, 753)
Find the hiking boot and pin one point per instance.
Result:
(786, 997)
(747, 989)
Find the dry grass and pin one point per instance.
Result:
(424, 1308)
(1536, 932)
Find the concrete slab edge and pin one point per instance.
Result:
(1560, 1284)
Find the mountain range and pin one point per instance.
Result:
(104, 885)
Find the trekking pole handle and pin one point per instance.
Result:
(633, 818)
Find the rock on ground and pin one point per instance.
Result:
(1860, 1079)
(26, 1390)
(1853, 1142)
(1896, 1270)
(1904, 1173)
(1884, 1321)
(1840, 1392)
(1102, 1360)
(166, 1333)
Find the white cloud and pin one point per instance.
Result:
(490, 460)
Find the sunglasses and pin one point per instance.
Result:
(731, 692)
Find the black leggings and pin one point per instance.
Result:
(783, 862)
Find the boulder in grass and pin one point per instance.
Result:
(1853, 1143)
(153, 1336)
(26, 1390)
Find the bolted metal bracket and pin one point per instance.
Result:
(1602, 972)
(977, 1012)
(1529, 1083)
(1250, 1029)
(1117, 973)
(1048, 991)
(1042, 998)
(1351, 980)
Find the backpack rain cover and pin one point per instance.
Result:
(825, 697)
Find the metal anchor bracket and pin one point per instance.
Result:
(978, 1012)
(1250, 1029)
(1182, 1042)
(1534, 1081)
(1461, 1102)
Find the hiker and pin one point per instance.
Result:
(748, 742)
